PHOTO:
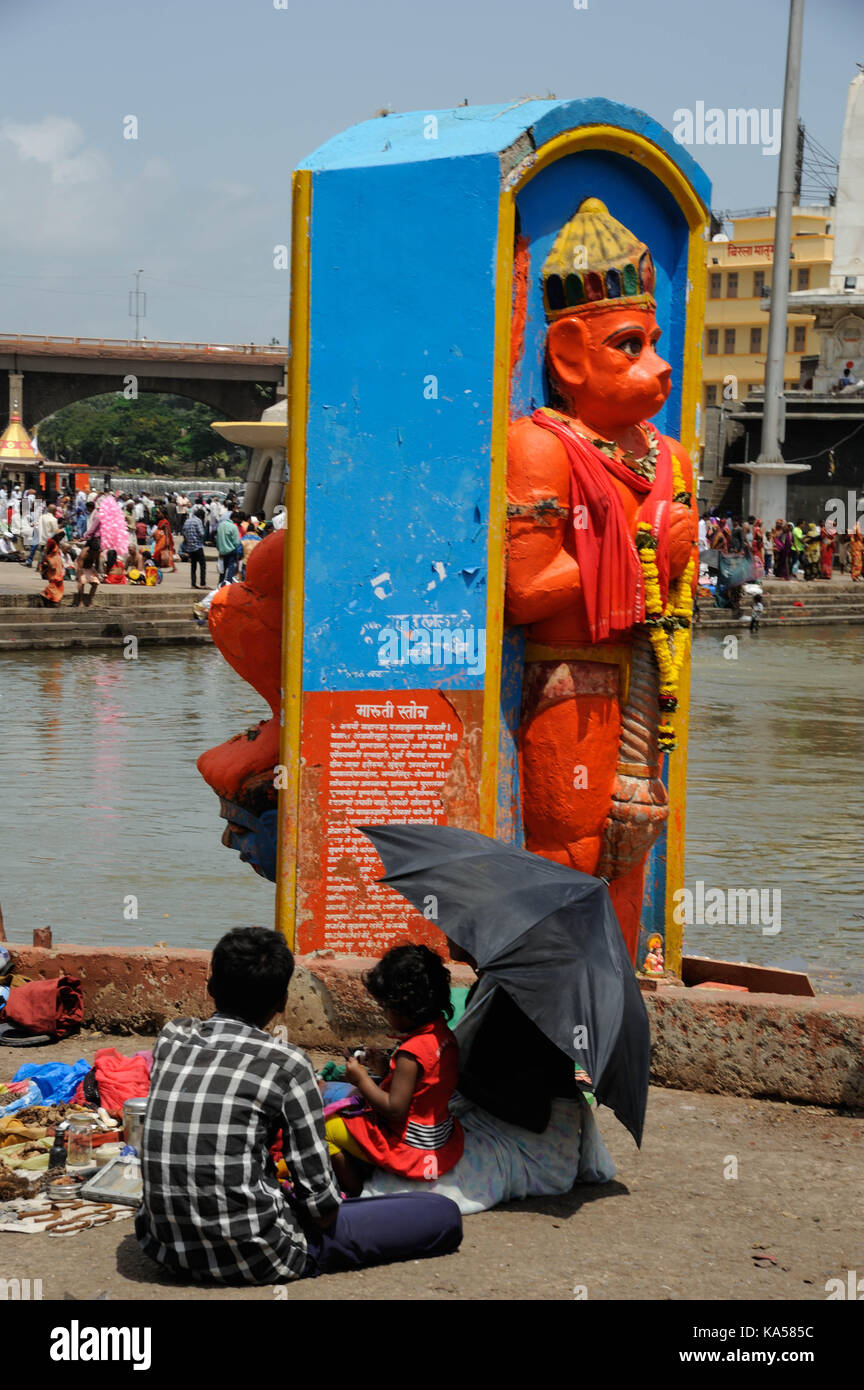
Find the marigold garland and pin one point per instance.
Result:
(668, 625)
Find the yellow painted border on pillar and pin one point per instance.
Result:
(677, 789)
(295, 546)
(676, 823)
(615, 140)
(496, 541)
(636, 147)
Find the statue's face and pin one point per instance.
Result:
(606, 365)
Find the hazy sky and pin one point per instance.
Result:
(231, 94)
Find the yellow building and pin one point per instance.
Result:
(738, 282)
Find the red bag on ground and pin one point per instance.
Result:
(117, 1078)
(46, 1006)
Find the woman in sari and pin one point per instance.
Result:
(843, 552)
(53, 569)
(163, 550)
(782, 544)
(811, 552)
(856, 552)
(718, 538)
(757, 546)
(826, 552)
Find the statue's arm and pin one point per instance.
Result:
(542, 578)
(683, 521)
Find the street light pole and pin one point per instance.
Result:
(769, 473)
(138, 304)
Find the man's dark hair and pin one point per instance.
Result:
(250, 973)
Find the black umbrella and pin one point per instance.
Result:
(544, 933)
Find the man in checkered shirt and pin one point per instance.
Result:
(221, 1090)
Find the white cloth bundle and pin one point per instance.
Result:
(503, 1163)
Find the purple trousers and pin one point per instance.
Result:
(382, 1230)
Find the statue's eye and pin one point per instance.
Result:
(631, 346)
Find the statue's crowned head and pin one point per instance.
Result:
(596, 263)
(598, 294)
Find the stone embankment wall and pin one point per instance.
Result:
(784, 1047)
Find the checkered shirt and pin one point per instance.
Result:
(219, 1094)
(193, 533)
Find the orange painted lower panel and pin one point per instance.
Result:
(372, 758)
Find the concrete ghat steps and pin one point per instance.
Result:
(814, 610)
(26, 624)
(838, 613)
(114, 596)
(795, 603)
(111, 633)
(787, 616)
(728, 623)
(108, 630)
(95, 613)
(814, 595)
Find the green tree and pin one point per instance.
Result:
(155, 433)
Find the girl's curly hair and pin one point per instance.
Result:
(412, 981)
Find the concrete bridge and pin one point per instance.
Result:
(58, 371)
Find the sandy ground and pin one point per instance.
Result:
(669, 1226)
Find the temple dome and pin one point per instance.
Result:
(16, 446)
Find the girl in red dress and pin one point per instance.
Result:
(406, 1126)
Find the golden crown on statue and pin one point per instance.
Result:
(596, 263)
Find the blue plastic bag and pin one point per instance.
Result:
(58, 1081)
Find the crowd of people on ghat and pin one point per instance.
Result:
(111, 538)
(787, 550)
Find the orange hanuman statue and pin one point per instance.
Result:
(601, 566)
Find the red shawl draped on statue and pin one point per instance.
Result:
(609, 567)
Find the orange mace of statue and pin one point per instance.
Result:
(246, 622)
(601, 566)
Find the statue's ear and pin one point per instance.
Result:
(567, 353)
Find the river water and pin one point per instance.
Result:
(102, 802)
(104, 815)
(776, 795)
